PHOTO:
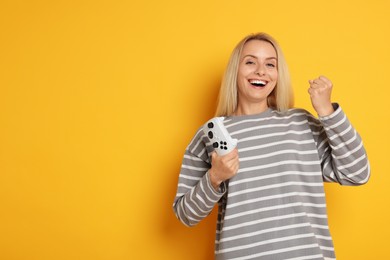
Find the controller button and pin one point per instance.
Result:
(225, 143)
(210, 134)
(210, 125)
(225, 148)
(215, 145)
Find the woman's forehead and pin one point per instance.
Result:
(258, 48)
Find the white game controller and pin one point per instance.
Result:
(222, 142)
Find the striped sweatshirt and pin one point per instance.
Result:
(274, 207)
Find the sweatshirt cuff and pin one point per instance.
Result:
(214, 194)
(334, 117)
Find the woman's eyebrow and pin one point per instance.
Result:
(255, 57)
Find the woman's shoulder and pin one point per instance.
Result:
(293, 112)
(297, 114)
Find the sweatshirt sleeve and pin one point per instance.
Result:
(342, 154)
(195, 197)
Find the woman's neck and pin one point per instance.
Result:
(250, 109)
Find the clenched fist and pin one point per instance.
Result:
(320, 92)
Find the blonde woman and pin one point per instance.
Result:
(270, 189)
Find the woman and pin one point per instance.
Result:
(269, 190)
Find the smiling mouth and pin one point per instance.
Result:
(258, 83)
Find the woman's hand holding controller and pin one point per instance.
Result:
(223, 167)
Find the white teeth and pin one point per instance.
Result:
(258, 82)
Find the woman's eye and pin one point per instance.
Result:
(249, 62)
(271, 65)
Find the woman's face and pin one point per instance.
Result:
(257, 72)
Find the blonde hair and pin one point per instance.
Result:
(281, 98)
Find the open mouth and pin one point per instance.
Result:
(257, 83)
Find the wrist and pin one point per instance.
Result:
(325, 111)
(215, 182)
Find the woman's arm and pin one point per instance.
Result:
(342, 154)
(196, 196)
(343, 157)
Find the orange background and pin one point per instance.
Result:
(98, 100)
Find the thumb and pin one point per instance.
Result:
(213, 155)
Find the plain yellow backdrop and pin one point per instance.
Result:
(98, 100)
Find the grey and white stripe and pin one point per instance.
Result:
(274, 208)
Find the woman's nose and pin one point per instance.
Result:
(260, 70)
